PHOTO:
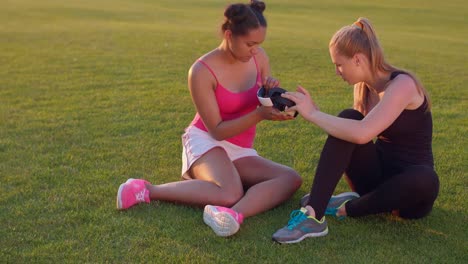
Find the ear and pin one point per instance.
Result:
(356, 59)
(227, 34)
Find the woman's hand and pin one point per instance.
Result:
(271, 113)
(270, 82)
(304, 103)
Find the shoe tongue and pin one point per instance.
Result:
(304, 210)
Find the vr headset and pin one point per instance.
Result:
(272, 97)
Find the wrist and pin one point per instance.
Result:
(258, 115)
(312, 116)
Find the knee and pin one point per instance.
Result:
(426, 182)
(431, 186)
(351, 114)
(297, 181)
(230, 196)
(293, 179)
(417, 212)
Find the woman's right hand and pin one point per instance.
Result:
(304, 103)
(273, 114)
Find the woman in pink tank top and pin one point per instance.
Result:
(221, 169)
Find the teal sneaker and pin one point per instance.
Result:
(335, 203)
(301, 226)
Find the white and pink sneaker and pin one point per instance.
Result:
(132, 192)
(224, 221)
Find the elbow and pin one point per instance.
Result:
(361, 134)
(362, 139)
(216, 135)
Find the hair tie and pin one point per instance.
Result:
(359, 25)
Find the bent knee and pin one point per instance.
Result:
(351, 114)
(425, 182)
(230, 196)
(417, 212)
(293, 179)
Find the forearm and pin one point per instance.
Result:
(346, 129)
(230, 128)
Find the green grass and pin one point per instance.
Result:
(94, 92)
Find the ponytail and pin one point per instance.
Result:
(360, 37)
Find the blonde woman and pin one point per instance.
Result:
(393, 174)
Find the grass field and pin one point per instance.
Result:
(94, 92)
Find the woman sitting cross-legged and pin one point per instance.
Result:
(393, 174)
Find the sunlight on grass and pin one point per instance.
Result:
(94, 92)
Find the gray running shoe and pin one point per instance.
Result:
(336, 201)
(299, 227)
(304, 200)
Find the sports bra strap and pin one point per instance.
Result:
(259, 78)
(259, 74)
(208, 67)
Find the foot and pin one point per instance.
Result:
(224, 221)
(132, 192)
(300, 226)
(335, 203)
(338, 201)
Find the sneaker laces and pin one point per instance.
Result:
(296, 217)
(334, 211)
(140, 196)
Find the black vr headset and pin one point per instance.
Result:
(272, 97)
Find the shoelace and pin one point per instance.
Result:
(296, 217)
(334, 210)
(140, 196)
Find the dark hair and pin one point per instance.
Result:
(240, 18)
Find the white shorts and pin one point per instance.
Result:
(197, 142)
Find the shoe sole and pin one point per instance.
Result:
(355, 194)
(320, 234)
(119, 195)
(332, 211)
(220, 222)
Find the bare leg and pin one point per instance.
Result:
(269, 184)
(219, 181)
(216, 181)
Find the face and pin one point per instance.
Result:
(348, 68)
(244, 47)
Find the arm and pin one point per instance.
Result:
(265, 71)
(401, 93)
(202, 89)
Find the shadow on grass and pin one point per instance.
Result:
(180, 233)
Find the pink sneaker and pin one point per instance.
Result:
(132, 192)
(224, 221)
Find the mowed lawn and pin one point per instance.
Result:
(94, 92)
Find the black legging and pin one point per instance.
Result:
(411, 190)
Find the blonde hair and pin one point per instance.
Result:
(360, 37)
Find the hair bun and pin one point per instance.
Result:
(257, 5)
(236, 13)
(240, 18)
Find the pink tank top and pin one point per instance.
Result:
(232, 106)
